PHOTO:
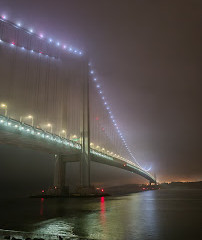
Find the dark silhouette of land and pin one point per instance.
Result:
(181, 185)
(133, 188)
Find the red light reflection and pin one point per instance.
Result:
(103, 210)
(41, 207)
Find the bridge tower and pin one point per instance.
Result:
(60, 161)
(85, 130)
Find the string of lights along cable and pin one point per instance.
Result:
(39, 92)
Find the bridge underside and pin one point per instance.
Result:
(68, 154)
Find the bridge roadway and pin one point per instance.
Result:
(23, 135)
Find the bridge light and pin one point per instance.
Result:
(4, 17)
(28, 117)
(64, 46)
(50, 40)
(58, 44)
(95, 79)
(19, 24)
(63, 132)
(4, 106)
(41, 35)
(98, 86)
(31, 30)
(50, 126)
(32, 119)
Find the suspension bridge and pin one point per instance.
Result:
(51, 100)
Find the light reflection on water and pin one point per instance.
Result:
(103, 218)
(152, 215)
(55, 226)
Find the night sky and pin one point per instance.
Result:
(148, 57)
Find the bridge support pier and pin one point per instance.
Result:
(59, 175)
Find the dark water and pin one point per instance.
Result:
(156, 215)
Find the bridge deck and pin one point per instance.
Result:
(23, 135)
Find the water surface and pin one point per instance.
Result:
(152, 215)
